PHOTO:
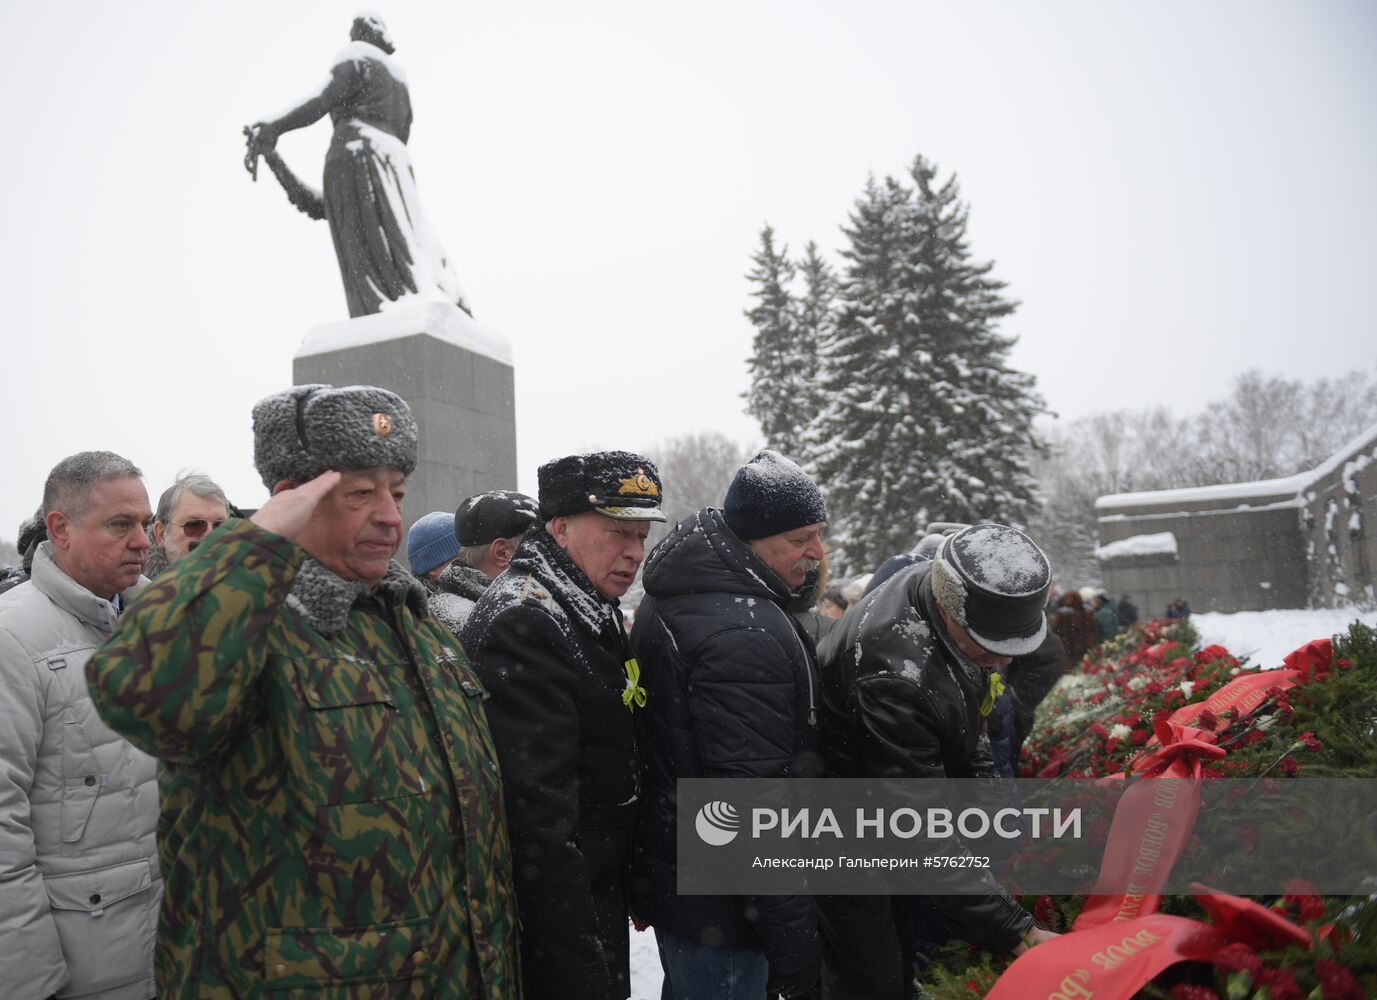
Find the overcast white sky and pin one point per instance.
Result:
(1175, 191)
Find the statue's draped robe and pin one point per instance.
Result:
(385, 248)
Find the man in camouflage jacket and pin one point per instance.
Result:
(332, 814)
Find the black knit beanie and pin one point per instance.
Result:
(771, 495)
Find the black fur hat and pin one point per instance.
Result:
(305, 430)
(619, 484)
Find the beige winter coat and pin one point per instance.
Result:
(79, 879)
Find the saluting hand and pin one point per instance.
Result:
(289, 510)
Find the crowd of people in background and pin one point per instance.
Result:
(310, 769)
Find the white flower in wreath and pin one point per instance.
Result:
(1119, 731)
(1138, 683)
(1186, 688)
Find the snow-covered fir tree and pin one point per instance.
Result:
(783, 362)
(816, 319)
(922, 419)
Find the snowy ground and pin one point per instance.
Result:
(1266, 636)
(646, 975)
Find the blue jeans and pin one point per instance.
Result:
(696, 972)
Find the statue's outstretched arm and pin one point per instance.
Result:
(333, 93)
(306, 198)
(262, 136)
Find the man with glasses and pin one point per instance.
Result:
(79, 878)
(188, 510)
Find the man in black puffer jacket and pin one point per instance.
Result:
(909, 683)
(732, 686)
(547, 641)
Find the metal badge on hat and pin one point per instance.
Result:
(639, 485)
(382, 424)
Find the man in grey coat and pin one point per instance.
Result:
(79, 879)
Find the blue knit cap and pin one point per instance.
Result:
(431, 542)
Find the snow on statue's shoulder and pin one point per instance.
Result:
(409, 317)
(360, 51)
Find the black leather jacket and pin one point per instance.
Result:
(900, 701)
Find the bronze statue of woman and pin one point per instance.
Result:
(386, 250)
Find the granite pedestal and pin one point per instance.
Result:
(457, 377)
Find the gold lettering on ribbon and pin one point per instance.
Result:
(1073, 986)
(1113, 956)
(1165, 795)
(1149, 853)
(1245, 693)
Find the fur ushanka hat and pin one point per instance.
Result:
(305, 430)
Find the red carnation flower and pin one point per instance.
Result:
(1207, 719)
(1280, 985)
(1247, 836)
(1189, 991)
(1238, 958)
(1336, 982)
(1311, 741)
(1138, 737)
(1043, 910)
(1303, 899)
(1289, 767)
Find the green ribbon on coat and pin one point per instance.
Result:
(633, 695)
(996, 689)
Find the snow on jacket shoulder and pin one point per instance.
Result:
(79, 879)
(731, 684)
(455, 593)
(552, 653)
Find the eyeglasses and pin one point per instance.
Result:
(198, 526)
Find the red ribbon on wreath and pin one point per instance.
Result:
(1120, 942)
(1113, 961)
